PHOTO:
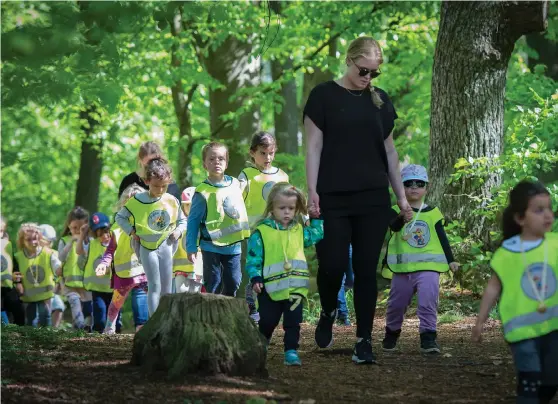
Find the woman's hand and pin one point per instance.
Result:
(313, 203)
(406, 209)
(257, 287)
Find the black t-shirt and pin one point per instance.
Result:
(353, 156)
(134, 178)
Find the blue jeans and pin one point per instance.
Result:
(347, 283)
(44, 314)
(5, 319)
(101, 303)
(139, 306)
(232, 273)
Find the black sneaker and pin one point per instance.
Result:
(363, 352)
(389, 343)
(428, 343)
(324, 330)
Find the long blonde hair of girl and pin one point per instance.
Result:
(128, 193)
(367, 47)
(287, 190)
(24, 229)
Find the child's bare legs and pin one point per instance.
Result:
(118, 299)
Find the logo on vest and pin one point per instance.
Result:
(419, 235)
(35, 275)
(158, 220)
(229, 206)
(267, 189)
(4, 263)
(535, 270)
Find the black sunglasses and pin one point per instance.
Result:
(363, 71)
(414, 184)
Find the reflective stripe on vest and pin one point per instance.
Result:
(71, 280)
(72, 273)
(530, 319)
(412, 258)
(126, 263)
(226, 220)
(37, 276)
(37, 291)
(279, 282)
(180, 262)
(153, 221)
(102, 281)
(91, 281)
(259, 186)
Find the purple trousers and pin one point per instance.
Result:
(403, 286)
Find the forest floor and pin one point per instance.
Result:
(48, 366)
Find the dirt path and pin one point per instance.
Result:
(96, 370)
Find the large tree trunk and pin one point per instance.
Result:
(200, 334)
(234, 67)
(474, 45)
(286, 121)
(91, 164)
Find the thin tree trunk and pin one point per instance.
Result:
(474, 45)
(91, 164)
(286, 121)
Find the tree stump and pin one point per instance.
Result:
(200, 334)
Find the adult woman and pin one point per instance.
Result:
(350, 162)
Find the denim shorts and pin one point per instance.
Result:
(538, 355)
(57, 303)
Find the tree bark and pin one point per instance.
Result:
(286, 121)
(232, 65)
(91, 164)
(200, 334)
(474, 45)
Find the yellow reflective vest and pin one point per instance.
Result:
(91, 281)
(180, 262)
(7, 263)
(71, 272)
(125, 263)
(37, 276)
(153, 221)
(518, 302)
(259, 186)
(226, 220)
(422, 251)
(280, 282)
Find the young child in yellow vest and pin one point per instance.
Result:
(524, 280)
(57, 306)
(154, 218)
(276, 264)
(127, 272)
(11, 303)
(94, 240)
(257, 180)
(188, 277)
(416, 255)
(38, 266)
(79, 299)
(218, 215)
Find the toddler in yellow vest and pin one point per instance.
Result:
(37, 265)
(524, 280)
(11, 303)
(276, 264)
(257, 180)
(218, 215)
(416, 255)
(57, 305)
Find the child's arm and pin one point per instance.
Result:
(314, 232)
(254, 261)
(491, 294)
(181, 223)
(64, 249)
(442, 236)
(83, 240)
(55, 264)
(107, 258)
(197, 213)
(122, 219)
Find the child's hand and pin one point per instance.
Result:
(134, 235)
(17, 276)
(59, 271)
(476, 335)
(257, 287)
(175, 235)
(192, 257)
(454, 266)
(83, 230)
(101, 270)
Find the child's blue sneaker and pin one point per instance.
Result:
(291, 358)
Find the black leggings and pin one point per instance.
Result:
(366, 233)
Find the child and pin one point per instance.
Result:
(346, 284)
(57, 306)
(219, 216)
(37, 265)
(524, 279)
(79, 299)
(257, 180)
(416, 256)
(93, 242)
(188, 278)
(128, 272)
(154, 219)
(277, 266)
(11, 303)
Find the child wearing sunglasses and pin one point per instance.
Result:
(416, 255)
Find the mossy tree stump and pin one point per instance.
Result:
(200, 334)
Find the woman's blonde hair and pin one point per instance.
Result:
(287, 190)
(367, 47)
(27, 228)
(127, 194)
